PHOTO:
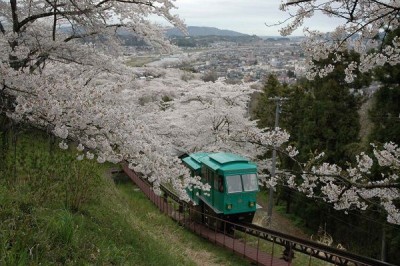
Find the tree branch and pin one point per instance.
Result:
(352, 11)
(385, 5)
(349, 183)
(298, 2)
(14, 14)
(80, 36)
(2, 28)
(54, 20)
(18, 25)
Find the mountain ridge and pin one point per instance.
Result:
(204, 31)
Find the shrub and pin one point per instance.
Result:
(210, 76)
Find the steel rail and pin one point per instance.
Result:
(315, 249)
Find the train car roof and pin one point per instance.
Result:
(224, 158)
(222, 161)
(194, 160)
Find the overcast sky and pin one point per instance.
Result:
(246, 16)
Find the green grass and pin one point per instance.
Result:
(55, 209)
(183, 242)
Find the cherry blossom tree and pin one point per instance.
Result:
(354, 187)
(116, 117)
(53, 78)
(364, 29)
(34, 33)
(78, 90)
(82, 92)
(199, 116)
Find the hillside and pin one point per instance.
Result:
(203, 31)
(58, 210)
(198, 36)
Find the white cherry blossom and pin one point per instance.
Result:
(363, 21)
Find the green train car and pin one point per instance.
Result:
(233, 181)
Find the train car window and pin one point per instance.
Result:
(250, 182)
(234, 183)
(220, 183)
(215, 181)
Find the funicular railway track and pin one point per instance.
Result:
(252, 249)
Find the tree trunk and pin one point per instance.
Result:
(383, 247)
(288, 201)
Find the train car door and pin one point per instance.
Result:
(212, 188)
(207, 179)
(218, 192)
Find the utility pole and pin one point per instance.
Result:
(278, 101)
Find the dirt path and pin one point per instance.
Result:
(279, 222)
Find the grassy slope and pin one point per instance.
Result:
(57, 210)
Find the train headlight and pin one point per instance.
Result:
(252, 204)
(229, 206)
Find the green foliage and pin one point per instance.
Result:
(166, 98)
(184, 41)
(186, 76)
(44, 188)
(358, 232)
(56, 210)
(329, 122)
(296, 220)
(361, 80)
(165, 102)
(179, 239)
(265, 108)
(210, 76)
(61, 226)
(321, 115)
(385, 113)
(291, 74)
(330, 117)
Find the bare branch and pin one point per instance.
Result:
(298, 2)
(13, 4)
(352, 11)
(385, 5)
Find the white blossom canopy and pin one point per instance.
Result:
(80, 92)
(365, 27)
